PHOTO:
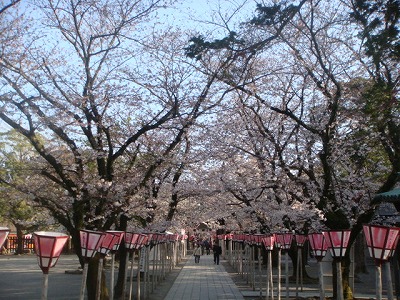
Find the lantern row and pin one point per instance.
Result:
(93, 242)
(381, 241)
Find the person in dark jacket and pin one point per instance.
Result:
(217, 252)
(207, 245)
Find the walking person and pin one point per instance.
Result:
(207, 245)
(197, 253)
(217, 252)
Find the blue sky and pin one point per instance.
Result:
(191, 14)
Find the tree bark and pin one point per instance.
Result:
(20, 240)
(91, 283)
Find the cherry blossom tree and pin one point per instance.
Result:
(115, 103)
(298, 61)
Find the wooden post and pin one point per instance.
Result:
(131, 276)
(378, 282)
(287, 273)
(83, 285)
(321, 281)
(112, 275)
(125, 277)
(268, 274)
(138, 276)
(339, 280)
(99, 272)
(259, 270)
(389, 282)
(45, 286)
(271, 278)
(278, 294)
(298, 271)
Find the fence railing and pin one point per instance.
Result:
(11, 244)
(28, 245)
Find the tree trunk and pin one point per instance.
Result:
(359, 259)
(91, 283)
(20, 240)
(347, 291)
(118, 289)
(293, 257)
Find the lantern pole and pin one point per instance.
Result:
(300, 240)
(130, 242)
(83, 284)
(381, 242)
(120, 235)
(107, 244)
(268, 242)
(258, 242)
(319, 248)
(337, 242)
(240, 253)
(142, 243)
(90, 243)
(252, 262)
(278, 245)
(284, 240)
(45, 285)
(230, 235)
(49, 246)
(389, 280)
(137, 246)
(157, 238)
(146, 264)
(278, 294)
(339, 278)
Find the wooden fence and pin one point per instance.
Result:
(11, 245)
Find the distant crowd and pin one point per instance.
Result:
(204, 246)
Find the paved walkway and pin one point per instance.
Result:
(203, 281)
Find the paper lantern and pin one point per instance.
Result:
(48, 247)
(337, 242)
(381, 241)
